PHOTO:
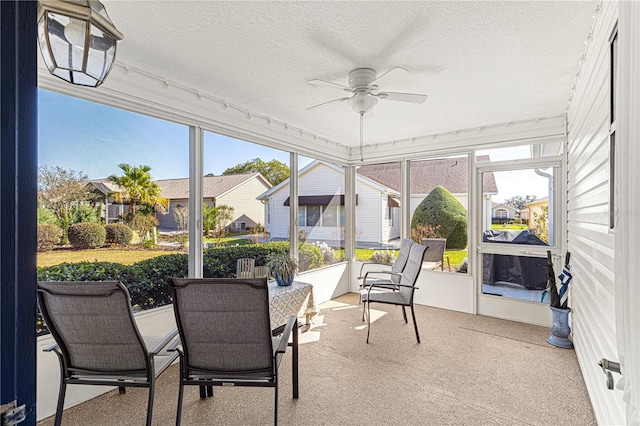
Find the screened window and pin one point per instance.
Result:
(313, 215)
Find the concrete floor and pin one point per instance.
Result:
(468, 370)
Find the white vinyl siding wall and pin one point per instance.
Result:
(589, 240)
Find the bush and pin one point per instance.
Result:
(118, 233)
(441, 208)
(84, 212)
(46, 215)
(328, 256)
(86, 235)
(309, 257)
(143, 224)
(385, 257)
(48, 236)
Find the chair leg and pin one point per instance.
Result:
(203, 392)
(180, 395)
(275, 408)
(404, 314)
(368, 320)
(150, 402)
(60, 407)
(209, 391)
(294, 363)
(415, 325)
(122, 390)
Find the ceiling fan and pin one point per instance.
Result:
(365, 94)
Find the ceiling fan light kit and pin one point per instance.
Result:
(365, 94)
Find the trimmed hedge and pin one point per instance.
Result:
(118, 233)
(441, 208)
(85, 235)
(147, 280)
(49, 236)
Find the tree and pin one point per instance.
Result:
(518, 202)
(137, 188)
(216, 219)
(59, 190)
(274, 171)
(444, 213)
(541, 224)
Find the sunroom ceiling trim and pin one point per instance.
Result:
(144, 93)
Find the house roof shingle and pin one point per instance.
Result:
(212, 186)
(451, 173)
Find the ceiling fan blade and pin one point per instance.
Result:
(327, 103)
(394, 70)
(317, 82)
(402, 97)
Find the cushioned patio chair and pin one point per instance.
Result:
(406, 288)
(391, 276)
(97, 340)
(226, 337)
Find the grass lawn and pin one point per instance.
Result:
(455, 256)
(498, 226)
(125, 257)
(227, 241)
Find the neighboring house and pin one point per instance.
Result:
(534, 208)
(101, 190)
(238, 191)
(321, 198)
(502, 213)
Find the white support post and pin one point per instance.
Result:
(196, 151)
(476, 203)
(349, 213)
(293, 205)
(405, 200)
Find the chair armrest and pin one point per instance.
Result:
(292, 325)
(371, 286)
(164, 342)
(369, 264)
(379, 272)
(52, 347)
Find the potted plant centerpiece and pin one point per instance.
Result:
(560, 328)
(283, 267)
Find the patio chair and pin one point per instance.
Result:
(406, 288)
(392, 276)
(97, 340)
(226, 337)
(434, 256)
(245, 268)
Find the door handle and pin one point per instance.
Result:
(607, 368)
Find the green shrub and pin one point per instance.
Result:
(118, 233)
(86, 235)
(46, 215)
(84, 213)
(309, 256)
(441, 208)
(49, 236)
(143, 224)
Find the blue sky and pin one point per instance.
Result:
(94, 138)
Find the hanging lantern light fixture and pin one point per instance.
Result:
(77, 40)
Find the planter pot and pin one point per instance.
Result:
(560, 329)
(284, 281)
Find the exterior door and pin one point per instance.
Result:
(516, 228)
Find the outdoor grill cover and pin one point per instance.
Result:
(529, 272)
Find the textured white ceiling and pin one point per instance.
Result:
(480, 62)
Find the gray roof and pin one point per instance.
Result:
(451, 173)
(212, 186)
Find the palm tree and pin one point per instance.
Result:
(137, 187)
(216, 218)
